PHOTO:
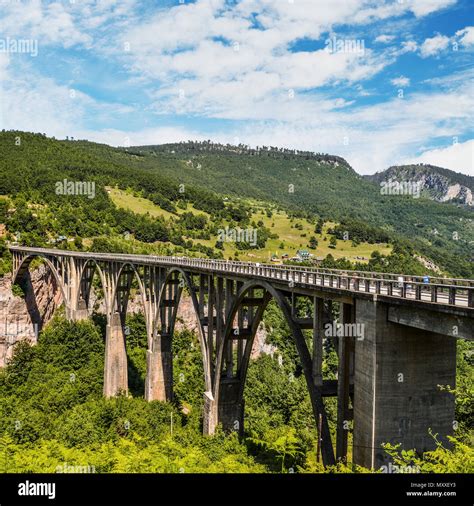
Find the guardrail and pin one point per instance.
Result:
(434, 290)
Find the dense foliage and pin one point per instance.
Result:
(53, 415)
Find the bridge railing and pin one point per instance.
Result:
(435, 290)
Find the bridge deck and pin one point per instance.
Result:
(435, 291)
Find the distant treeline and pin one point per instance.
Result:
(193, 147)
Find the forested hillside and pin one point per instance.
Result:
(325, 186)
(204, 187)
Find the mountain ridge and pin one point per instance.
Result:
(438, 183)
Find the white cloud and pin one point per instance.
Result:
(190, 49)
(458, 157)
(467, 36)
(409, 46)
(62, 23)
(401, 81)
(33, 103)
(425, 7)
(434, 45)
(246, 73)
(149, 136)
(48, 23)
(384, 39)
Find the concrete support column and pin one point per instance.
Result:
(229, 411)
(318, 336)
(345, 368)
(209, 422)
(80, 312)
(159, 376)
(397, 373)
(115, 369)
(231, 406)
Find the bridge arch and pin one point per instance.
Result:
(232, 401)
(86, 274)
(20, 273)
(173, 274)
(114, 303)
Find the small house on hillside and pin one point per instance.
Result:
(303, 254)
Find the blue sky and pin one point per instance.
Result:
(380, 82)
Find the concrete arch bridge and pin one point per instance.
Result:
(395, 338)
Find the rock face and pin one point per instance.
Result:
(437, 183)
(22, 319)
(428, 264)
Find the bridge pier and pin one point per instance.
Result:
(229, 411)
(80, 312)
(397, 398)
(231, 406)
(159, 375)
(115, 368)
(210, 419)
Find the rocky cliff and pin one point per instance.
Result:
(436, 183)
(22, 318)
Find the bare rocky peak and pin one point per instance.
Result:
(437, 183)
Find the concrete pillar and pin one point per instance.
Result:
(79, 313)
(159, 376)
(397, 398)
(229, 411)
(115, 369)
(209, 422)
(345, 368)
(231, 406)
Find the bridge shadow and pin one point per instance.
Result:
(26, 284)
(136, 383)
(100, 320)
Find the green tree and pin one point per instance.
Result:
(313, 243)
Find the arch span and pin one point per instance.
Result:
(86, 274)
(119, 295)
(23, 268)
(228, 391)
(159, 364)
